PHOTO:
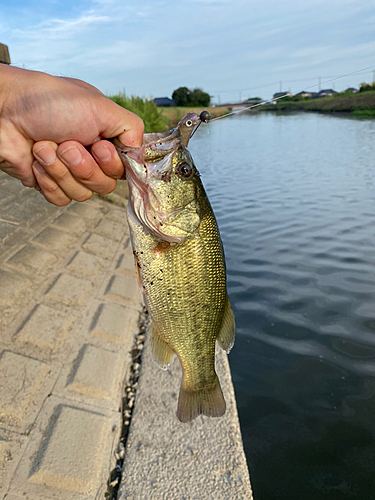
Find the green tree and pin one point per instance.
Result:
(186, 97)
(199, 98)
(181, 96)
(366, 87)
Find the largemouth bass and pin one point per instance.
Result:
(180, 261)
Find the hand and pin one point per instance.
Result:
(46, 124)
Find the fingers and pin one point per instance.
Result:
(133, 132)
(69, 172)
(108, 159)
(119, 122)
(49, 188)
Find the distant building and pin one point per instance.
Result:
(327, 92)
(4, 54)
(352, 90)
(304, 94)
(164, 102)
(281, 94)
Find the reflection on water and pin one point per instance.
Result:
(294, 196)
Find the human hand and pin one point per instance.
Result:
(45, 124)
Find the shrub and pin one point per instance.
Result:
(145, 108)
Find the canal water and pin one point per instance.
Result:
(294, 196)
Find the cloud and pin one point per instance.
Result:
(60, 28)
(155, 46)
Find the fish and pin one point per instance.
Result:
(180, 262)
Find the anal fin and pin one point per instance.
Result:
(226, 334)
(163, 354)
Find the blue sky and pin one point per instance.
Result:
(232, 49)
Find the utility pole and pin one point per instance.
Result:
(373, 75)
(320, 83)
(281, 86)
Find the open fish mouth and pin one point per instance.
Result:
(164, 224)
(153, 165)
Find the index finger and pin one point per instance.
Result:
(119, 122)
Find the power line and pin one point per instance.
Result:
(327, 78)
(285, 95)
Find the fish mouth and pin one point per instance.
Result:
(149, 162)
(147, 208)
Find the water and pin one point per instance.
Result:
(294, 196)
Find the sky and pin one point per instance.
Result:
(232, 49)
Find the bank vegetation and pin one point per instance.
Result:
(359, 104)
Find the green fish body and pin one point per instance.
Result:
(180, 260)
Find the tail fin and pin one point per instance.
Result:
(207, 401)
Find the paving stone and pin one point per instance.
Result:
(125, 263)
(99, 245)
(45, 327)
(5, 197)
(11, 445)
(54, 239)
(11, 184)
(85, 264)
(87, 210)
(21, 378)
(31, 259)
(4, 449)
(112, 229)
(36, 201)
(7, 229)
(124, 289)
(68, 456)
(96, 377)
(69, 290)
(114, 323)
(70, 223)
(11, 286)
(119, 215)
(17, 213)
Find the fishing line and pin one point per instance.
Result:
(268, 101)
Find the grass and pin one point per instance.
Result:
(360, 104)
(363, 113)
(151, 115)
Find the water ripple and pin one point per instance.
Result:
(294, 198)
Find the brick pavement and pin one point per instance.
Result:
(69, 310)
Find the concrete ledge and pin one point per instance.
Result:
(166, 459)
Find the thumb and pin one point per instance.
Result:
(119, 122)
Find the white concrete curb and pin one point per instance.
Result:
(165, 459)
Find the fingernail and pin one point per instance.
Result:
(46, 155)
(71, 156)
(101, 152)
(38, 167)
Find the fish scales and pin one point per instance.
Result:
(180, 261)
(185, 291)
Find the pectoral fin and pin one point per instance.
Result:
(226, 334)
(163, 354)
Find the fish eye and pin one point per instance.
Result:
(184, 170)
(189, 123)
